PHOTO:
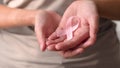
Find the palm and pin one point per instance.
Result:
(88, 14)
(86, 10)
(45, 24)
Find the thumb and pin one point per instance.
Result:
(41, 38)
(40, 34)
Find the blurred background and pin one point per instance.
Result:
(0, 1)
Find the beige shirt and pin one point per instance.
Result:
(54, 5)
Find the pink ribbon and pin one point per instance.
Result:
(71, 25)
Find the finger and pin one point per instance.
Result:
(51, 47)
(53, 36)
(88, 43)
(60, 39)
(40, 33)
(41, 39)
(51, 43)
(71, 53)
(93, 32)
(77, 39)
(93, 26)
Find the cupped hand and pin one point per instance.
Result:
(46, 23)
(84, 36)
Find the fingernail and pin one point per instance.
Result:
(42, 48)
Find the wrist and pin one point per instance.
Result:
(25, 17)
(91, 5)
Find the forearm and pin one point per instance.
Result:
(10, 17)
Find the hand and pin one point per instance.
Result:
(85, 36)
(46, 23)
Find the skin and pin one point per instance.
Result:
(87, 31)
(42, 21)
(20, 17)
(96, 8)
(13, 17)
